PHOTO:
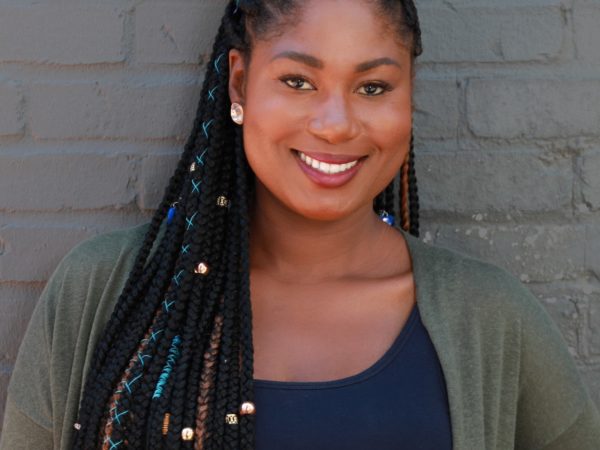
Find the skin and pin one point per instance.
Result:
(331, 284)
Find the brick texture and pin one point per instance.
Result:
(16, 306)
(587, 31)
(590, 167)
(67, 33)
(477, 182)
(4, 379)
(532, 253)
(594, 327)
(567, 304)
(437, 111)
(590, 376)
(483, 33)
(65, 181)
(592, 239)
(101, 111)
(167, 32)
(515, 108)
(11, 116)
(155, 174)
(31, 254)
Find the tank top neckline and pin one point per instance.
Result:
(389, 355)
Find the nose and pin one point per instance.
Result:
(333, 120)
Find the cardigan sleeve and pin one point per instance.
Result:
(28, 418)
(555, 410)
(47, 381)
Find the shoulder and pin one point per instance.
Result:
(71, 313)
(106, 248)
(489, 328)
(92, 268)
(469, 284)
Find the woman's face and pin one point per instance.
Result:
(327, 109)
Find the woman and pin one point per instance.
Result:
(267, 305)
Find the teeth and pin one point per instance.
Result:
(328, 168)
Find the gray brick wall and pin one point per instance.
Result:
(97, 99)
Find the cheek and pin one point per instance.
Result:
(391, 127)
(267, 129)
(267, 121)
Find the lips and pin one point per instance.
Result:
(327, 167)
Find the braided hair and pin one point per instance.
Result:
(175, 361)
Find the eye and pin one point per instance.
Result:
(373, 89)
(297, 83)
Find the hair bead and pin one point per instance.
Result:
(187, 434)
(201, 269)
(171, 213)
(231, 419)
(247, 408)
(387, 218)
(165, 427)
(223, 201)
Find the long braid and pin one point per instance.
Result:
(244, 194)
(177, 351)
(407, 197)
(413, 194)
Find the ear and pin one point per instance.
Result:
(237, 77)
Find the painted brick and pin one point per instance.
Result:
(592, 249)
(564, 312)
(533, 253)
(155, 174)
(590, 176)
(70, 110)
(4, 378)
(32, 253)
(175, 32)
(568, 304)
(73, 33)
(11, 116)
(460, 33)
(500, 181)
(587, 31)
(17, 301)
(591, 377)
(593, 332)
(53, 182)
(436, 112)
(509, 108)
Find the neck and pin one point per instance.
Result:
(292, 247)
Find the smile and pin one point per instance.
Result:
(327, 168)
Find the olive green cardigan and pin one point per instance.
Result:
(510, 379)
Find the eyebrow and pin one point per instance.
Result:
(318, 64)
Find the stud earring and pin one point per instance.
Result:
(237, 113)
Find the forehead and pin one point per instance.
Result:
(340, 32)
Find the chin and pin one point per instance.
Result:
(323, 214)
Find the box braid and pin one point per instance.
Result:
(177, 351)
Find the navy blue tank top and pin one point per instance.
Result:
(400, 402)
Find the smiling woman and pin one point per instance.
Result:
(331, 98)
(268, 305)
